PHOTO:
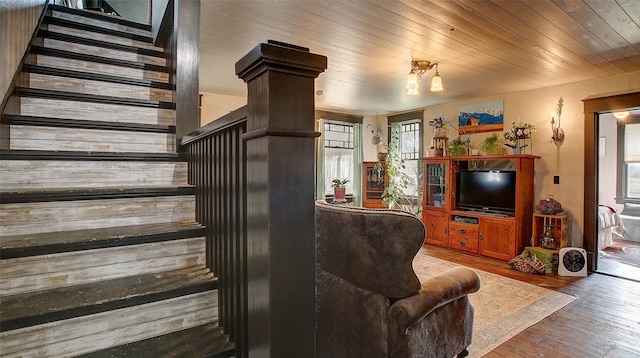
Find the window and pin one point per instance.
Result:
(629, 160)
(338, 154)
(410, 144)
(410, 140)
(410, 148)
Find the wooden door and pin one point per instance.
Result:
(497, 238)
(436, 224)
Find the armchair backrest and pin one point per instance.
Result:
(370, 248)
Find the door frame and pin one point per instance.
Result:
(592, 108)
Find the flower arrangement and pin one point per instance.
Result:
(519, 130)
(439, 126)
(437, 122)
(517, 134)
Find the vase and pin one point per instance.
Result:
(439, 132)
(382, 156)
(547, 240)
(339, 193)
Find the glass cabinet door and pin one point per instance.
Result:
(375, 179)
(435, 178)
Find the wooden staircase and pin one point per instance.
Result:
(100, 252)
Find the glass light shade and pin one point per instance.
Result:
(412, 91)
(412, 84)
(436, 83)
(621, 114)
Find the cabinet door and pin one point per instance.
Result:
(497, 238)
(374, 181)
(436, 191)
(435, 223)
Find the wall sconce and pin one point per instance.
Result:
(557, 134)
(418, 68)
(621, 114)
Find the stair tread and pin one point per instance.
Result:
(83, 97)
(86, 239)
(101, 17)
(16, 119)
(99, 43)
(39, 307)
(26, 154)
(53, 71)
(206, 340)
(98, 59)
(94, 193)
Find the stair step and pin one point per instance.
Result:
(103, 36)
(202, 341)
(52, 71)
(64, 269)
(81, 48)
(89, 239)
(32, 174)
(85, 334)
(34, 308)
(87, 124)
(54, 35)
(63, 139)
(40, 50)
(75, 194)
(57, 108)
(53, 82)
(82, 97)
(99, 20)
(8, 154)
(36, 217)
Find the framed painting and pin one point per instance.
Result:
(481, 117)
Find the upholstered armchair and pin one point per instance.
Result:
(370, 301)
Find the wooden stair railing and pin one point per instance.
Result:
(254, 173)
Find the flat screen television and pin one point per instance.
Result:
(488, 191)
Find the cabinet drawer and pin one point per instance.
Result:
(463, 237)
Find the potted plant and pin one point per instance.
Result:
(438, 125)
(490, 145)
(458, 147)
(339, 189)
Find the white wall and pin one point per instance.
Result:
(18, 19)
(607, 164)
(370, 124)
(214, 106)
(133, 10)
(565, 160)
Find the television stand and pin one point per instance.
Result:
(498, 235)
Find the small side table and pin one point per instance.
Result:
(558, 225)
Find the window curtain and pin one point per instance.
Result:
(320, 173)
(358, 160)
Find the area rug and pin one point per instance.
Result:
(503, 307)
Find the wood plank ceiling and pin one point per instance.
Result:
(483, 47)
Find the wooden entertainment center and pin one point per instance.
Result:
(487, 233)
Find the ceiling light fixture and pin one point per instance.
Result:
(621, 114)
(418, 68)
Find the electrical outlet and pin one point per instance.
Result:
(556, 179)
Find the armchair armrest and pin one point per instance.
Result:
(437, 291)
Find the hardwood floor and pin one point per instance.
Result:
(616, 260)
(603, 322)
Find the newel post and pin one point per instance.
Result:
(280, 198)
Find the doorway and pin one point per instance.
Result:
(618, 233)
